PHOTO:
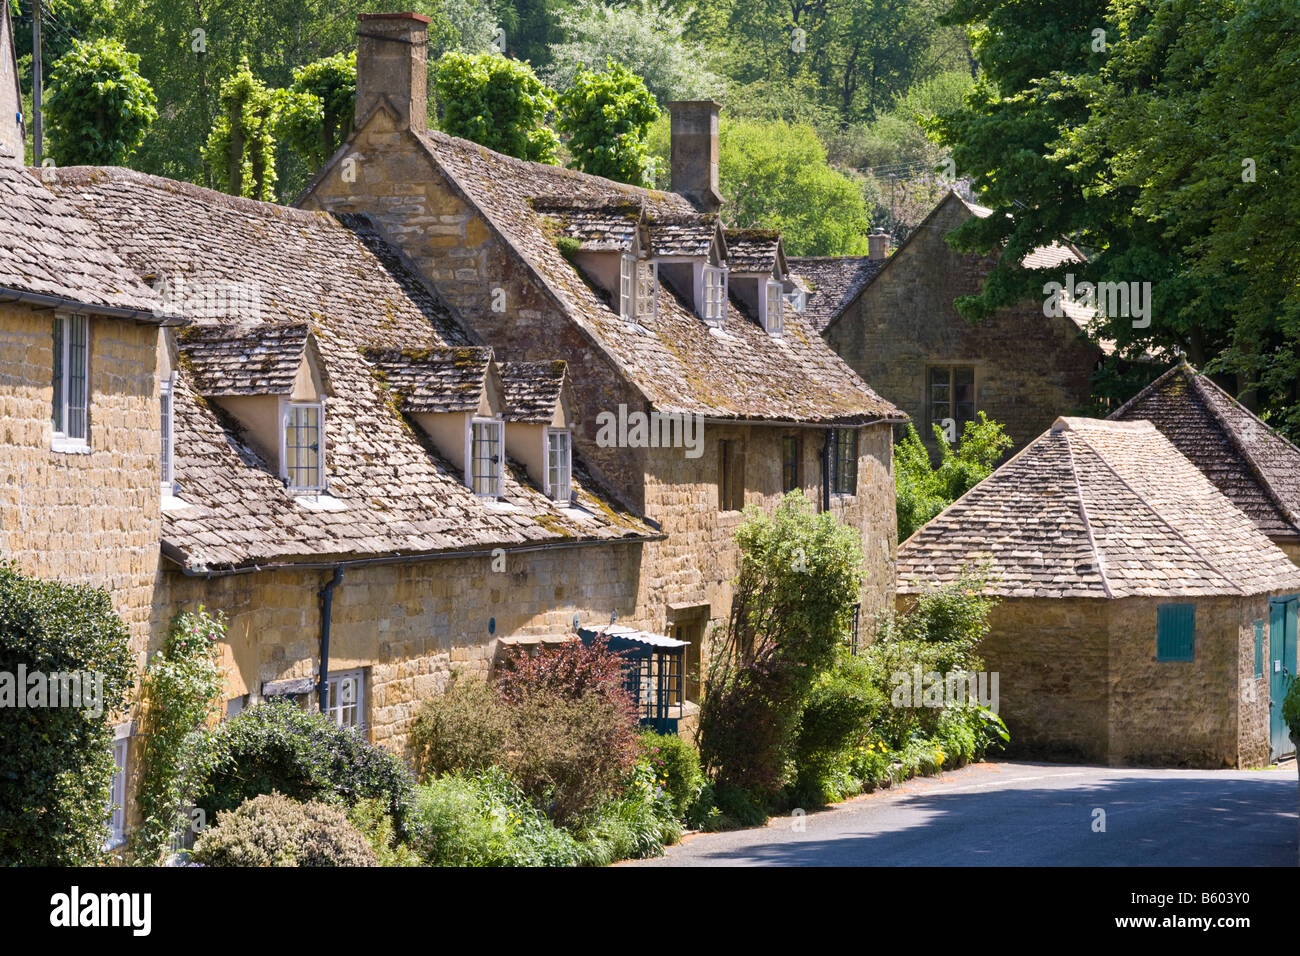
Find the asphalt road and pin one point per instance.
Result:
(1023, 814)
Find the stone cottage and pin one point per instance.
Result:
(1255, 467)
(663, 315)
(1135, 601)
(893, 320)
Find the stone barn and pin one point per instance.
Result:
(1136, 600)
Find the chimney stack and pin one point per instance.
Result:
(695, 152)
(877, 245)
(392, 52)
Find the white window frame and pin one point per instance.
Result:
(287, 408)
(562, 489)
(117, 787)
(167, 417)
(797, 300)
(713, 301)
(337, 709)
(61, 386)
(627, 276)
(773, 321)
(647, 298)
(498, 478)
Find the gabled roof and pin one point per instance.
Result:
(533, 389)
(252, 360)
(736, 371)
(391, 495)
(50, 251)
(833, 282)
(1097, 509)
(1248, 461)
(685, 235)
(599, 226)
(754, 250)
(433, 379)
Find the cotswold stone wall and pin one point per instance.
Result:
(1079, 680)
(1029, 369)
(90, 517)
(409, 626)
(1292, 552)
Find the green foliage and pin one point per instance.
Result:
(637, 823)
(99, 106)
(304, 755)
(180, 685)
(272, 830)
(240, 151)
(676, 768)
(465, 728)
(837, 718)
(606, 117)
(56, 763)
(497, 102)
(374, 823)
(923, 490)
(1291, 706)
(316, 117)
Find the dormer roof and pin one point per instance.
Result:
(686, 236)
(434, 380)
(534, 389)
(755, 252)
(601, 226)
(226, 361)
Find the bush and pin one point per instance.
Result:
(634, 825)
(573, 669)
(376, 826)
(676, 767)
(498, 102)
(56, 763)
(1291, 707)
(272, 830)
(278, 747)
(464, 729)
(837, 719)
(923, 490)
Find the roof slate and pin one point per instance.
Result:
(834, 282)
(255, 360)
(532, 390)
(752, 250)
(1254, 466)
(433, 380)
(602, 226)
(683, 235)
(1097, 509)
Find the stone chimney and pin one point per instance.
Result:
(392, 52)
(695, 152)
(877, 245)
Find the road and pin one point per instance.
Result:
(1026, 814)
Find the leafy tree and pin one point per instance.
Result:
(923, 490)
(99, 107)
(241, 147)
(498, 102)
(316, 119)
(645, 36)
(606, 116)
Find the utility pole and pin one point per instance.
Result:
(36, 81)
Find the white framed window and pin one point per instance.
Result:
(166, 391)
(71, 375)
(303, 448)
(647, 288)
(714, 304)
(117, 789)
(797, 300)
(486, 460)
(772, 321)
(345, 703)
(559, 464)
(627, 283)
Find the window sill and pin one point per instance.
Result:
(322, 501)
(70, 446)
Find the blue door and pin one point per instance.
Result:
(1282, 621)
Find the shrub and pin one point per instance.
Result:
(272, 830)
(376, 826)
(464, 729)
(923, 490)
(573, 669)
(1291, 706)
(278, 747)
(634, 825)
(56, 763)
(498, 102)
(836, 719)
(676, 767)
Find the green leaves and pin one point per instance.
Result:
(606, 117)
(497, 102)
(99, 107)
(922, 491)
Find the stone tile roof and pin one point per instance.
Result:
(1254, 466)
(833, 282)
(533, 390)
(390, 492)
(49, 249)
(255, 360)
(435, 379)
(600, 226)
(683, 235)
(1097, 509)
(752, 250)
(736, 371)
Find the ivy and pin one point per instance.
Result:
(100, 107)
(607, 117)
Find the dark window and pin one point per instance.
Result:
(843, 460)
(851, 639)
(1259, 648)
(952, 396)
(731, 475)
(791, 450)
(1175, 632)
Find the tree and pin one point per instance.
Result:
(497, 102)
(100, 107)
(241, 147)
(316, 118)
(645, 36)
(923, 490)
(606, 116)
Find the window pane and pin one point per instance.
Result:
(790, 446)
(165, 457)
(76, 371)
(486, 458)
(302, 447)
(60, 400)
(645, 290)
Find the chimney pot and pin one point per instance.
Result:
(878, 245)
(695, 152)
(392, 55)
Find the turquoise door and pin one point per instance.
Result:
(1282, 620)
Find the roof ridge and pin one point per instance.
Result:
(1098, 560)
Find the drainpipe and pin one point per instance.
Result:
(327, 605)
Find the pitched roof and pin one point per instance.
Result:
(599, 226)
(253, 360)
(736, 371)
(50, 250)
(752, 250)
(435, 379)
(390, 492)
(834, 282)
(533, 389)
(1248, 461)
(683, 235)
(1097, 509)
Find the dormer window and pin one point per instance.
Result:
(637, 283)
(486, 457)
(627, 282)
(559, 464)
(715, 294)
(772, 318)
(303, 450)
(71, 372)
